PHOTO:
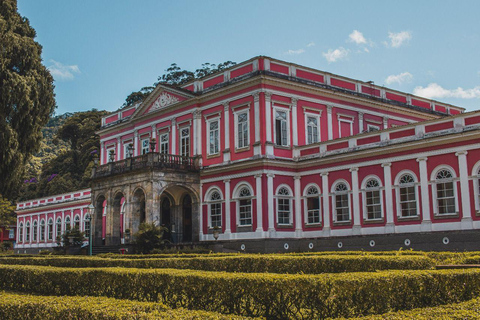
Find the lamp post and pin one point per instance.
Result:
(91, 210)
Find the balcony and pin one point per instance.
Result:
(152, 161)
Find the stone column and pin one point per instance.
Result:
(326, 204)
(356, 202)
(298, 206)
(271, 225)
(227, 209)
(294, 121)
(226, 152)
(258, 194)
(464, 190)
(257, 150)
(387, 174)
(330, 122)
(425, 200)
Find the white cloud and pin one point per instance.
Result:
(292, 52)
(335, 55)
(434, 91)
(311, 44)
(60, 71)
(399, 78)
(398, 39)
(357, 37)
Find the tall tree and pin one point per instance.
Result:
(26, 95)
(7, 214)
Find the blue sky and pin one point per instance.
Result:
(100, 51)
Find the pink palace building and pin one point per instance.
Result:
(271, 156)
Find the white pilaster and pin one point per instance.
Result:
(387, 174)
(198, 134)
(326, 204)
(119, 149)
(360, 122)
(194, 133)
(174, 136)
(298, 207)
(227, 209)
(226, 152)
(259, 196)
(257, 149)
(102, 153)
(294, 121)
(425, 201)
(464, 190)
(356, 201)
(385, 122)
(330, 122)
(268, 119)
(136, 152)
(200, 213)
(271, 228)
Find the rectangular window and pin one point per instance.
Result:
(125, 150)
(374, 207)
(245, 207)
(341, 207)
(408, 202)
(242, 130)
(185, 142)
(214, 134)
(312, 130)
(164, 143)
(445, 198)
(283, 211)
(313, 210)
(145, 146)
(281, 131)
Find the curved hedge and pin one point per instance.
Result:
(269, 295)
(244, 263)
(15, 306)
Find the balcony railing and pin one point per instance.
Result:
(152, 160)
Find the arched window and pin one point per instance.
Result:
(76, 222)
(68, 225)
(86, 225)
(42, 230)
(407, 196)
(245, 206)
(215, 209)
(50, 229)
(373, 204)
(341, 203)
(59, 227)
(445, 191)
(284, 205)
(20, 232)
(27, 232)
(35, 231)
(312, 199)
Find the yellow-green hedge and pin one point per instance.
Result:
(270, 295)
(243, 263)
(14, 306)
(464, 310)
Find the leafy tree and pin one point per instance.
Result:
(71, 237)
(149, 237)
(26, 96)
(176, 76)
(138, 96)
(7, 214)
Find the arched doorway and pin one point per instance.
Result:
(138, 209)
(99, 231)
(116, 219)
(187, 218)
(166, 218)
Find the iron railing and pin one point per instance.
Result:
(152, 160)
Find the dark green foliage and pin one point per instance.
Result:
(137, 96)
(148, 237)
(71, 237)
(26, 96)
(7, 214)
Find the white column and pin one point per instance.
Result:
(102, 153)
(63, 222)
(298, 207)
(356, 202)
(136, 152)
(294, 121)
(385, 122)
(268, 120)
(257, 150)
(464, 190)
(360, 122)
(195, 133)
(271, 228)
(326, 204)
(387, 174)
(119, 149)
(198, 120)
(226, 152)
(227, 209)
(45, 232)
(425, 201)
(330, 122)
(258, 194)
(174, 136)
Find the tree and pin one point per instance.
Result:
(7, 214)
(26, 96)
(70, 238)
(149, 237)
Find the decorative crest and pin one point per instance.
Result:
(164, 100)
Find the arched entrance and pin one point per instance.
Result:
(138, 209)
(99, 225)
(165, 218)
(116, 219)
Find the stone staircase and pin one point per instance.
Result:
(107, 249)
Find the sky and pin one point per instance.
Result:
(99, 51)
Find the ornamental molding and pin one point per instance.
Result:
(164, 100)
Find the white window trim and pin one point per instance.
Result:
(56, 226)
(397, 186)
(235, 117)
(180, 144)
(433, 182)
(35, 225)
(364, 191)
(333, 200)
(312, 115)
(208, 122)
(160, 142)
(305, 204)
(21, 234)
(52, 226)
(290, 198)
(79, 221)
(28, 229)
(341, 119)
(141, 145)
(40, 233)
(285, 109)
(372, 126)
(108, 153)
(236, 198)
(209, 203)
(476, 185)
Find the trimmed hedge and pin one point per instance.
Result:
(243, 263)
(270, 295)
(464, 310)
(15, 306)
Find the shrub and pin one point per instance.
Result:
(269, 295)
(149, 237)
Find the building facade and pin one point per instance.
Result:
(273, 156)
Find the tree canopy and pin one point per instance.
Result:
(7, 214)
(26, 96)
